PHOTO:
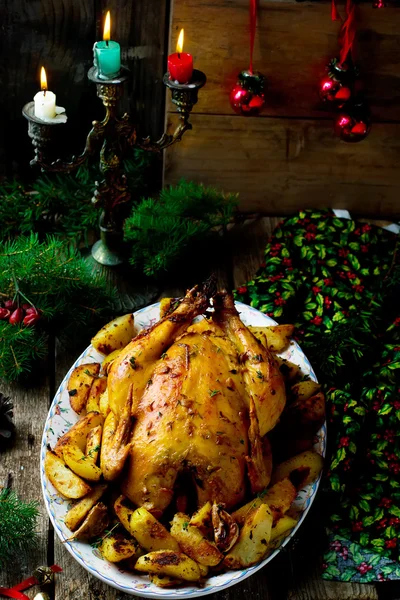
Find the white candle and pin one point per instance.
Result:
(45, 101)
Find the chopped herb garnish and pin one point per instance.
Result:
(163, 355)
(258, 358)
(242, 441)
(132, 362)
(150, 381)
(213, 392)
(73, 392)
(260, 375)
(159, 414)
(185, 525)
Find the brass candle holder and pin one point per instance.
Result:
(112, 138)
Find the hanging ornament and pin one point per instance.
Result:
(247, 97)
(379, 4)
(338, 86)
(353, 123)
(37, 579)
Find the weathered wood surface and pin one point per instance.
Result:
(281, 165)
(293, 575)
(294, 42)
(60, 35)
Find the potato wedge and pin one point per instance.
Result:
(81, 464)
(118, 547)
(301, 469)
(98, 387)
(167, 562)
(104, 404)
(163, 581)
(305, 415)
(108, 361)
(290, 371)
(93, 443)
(145, 528)
(80, 510)
(202, 519)
(95, 523)
(115, 335)
(304, 389)
(80, 383)
(277, 336)
(279, 498)
(192, 542)
(253, 541)
(282, 528)
(64, 480)
(78, 433)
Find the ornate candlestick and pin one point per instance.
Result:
(112, 138)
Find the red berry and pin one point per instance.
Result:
(16, 316)
(31, 310)
(343, 94)
(4, 313)
(10, 305)
(31, 318)
(26, 306)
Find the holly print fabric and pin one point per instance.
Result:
(338, 281)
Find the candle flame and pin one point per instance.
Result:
(43, 79)
(179, 44)
(107, 27)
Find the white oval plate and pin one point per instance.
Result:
(61, 417)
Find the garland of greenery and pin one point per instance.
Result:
(52, 277)
(18, 522)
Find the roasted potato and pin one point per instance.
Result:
(145, 528)
(108, 361)
(202, 519)
(301, 469)
(81, 464)
(64, 480)
(98, 388)
(104, 404)
(163, 581)
(304, 389)
(282, 528)
(95, 523)
(277, 336)
(167, 562)
(93, 443)
(80, 383)
(115, 335)
(117, 547)
(305, 415)
(192, 542)
(77, 435)
(80, 510)
(279, 498)
(253, 541)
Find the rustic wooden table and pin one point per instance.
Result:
(294, 574)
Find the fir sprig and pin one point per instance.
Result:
(18, 526)
(161, 229)
(53, 276)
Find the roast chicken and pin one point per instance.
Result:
(195, 398)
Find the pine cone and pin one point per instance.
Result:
(7, 426)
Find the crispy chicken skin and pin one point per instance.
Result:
(202, 398)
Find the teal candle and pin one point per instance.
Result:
(107, 59)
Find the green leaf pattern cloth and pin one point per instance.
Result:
(338, 280)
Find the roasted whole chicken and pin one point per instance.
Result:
(195, 398)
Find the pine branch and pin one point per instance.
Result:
(162, 229)
(18, 523)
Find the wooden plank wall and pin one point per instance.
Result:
(289, 158)
(60, 35)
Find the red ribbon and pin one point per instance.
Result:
(253, 23)
(348, 30)
(16, 591)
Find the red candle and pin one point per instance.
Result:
(180, 64)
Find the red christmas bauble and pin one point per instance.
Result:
(338, 85)
(247, 97)
(353, 123)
